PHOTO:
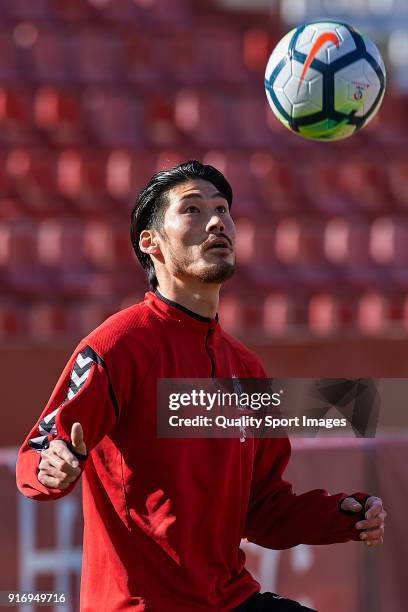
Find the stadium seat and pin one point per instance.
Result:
(320, 188)
(21, 269)
(398, 179)
(113, 118)
(48, 322)
(323, 312)
(60, 244)
(89, 315)
(46, 60)
(372, 315)
(32, 177)
(256, 48)
(274, 183)
(108, 247)
(13, 321)
(16, 10)
(15, 117)
(250, 125)
(219, 54)
(276, 314)
(18, 244)
(141, 66)
(159, 127)
(204, 117)
(95, 56)
(57, 114)
(230, 313)
(9, 68)
(363, 184)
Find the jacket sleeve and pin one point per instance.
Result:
(83, 394)
(277, 518)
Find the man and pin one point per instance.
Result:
(163, 518)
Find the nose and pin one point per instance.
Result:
(215, 224)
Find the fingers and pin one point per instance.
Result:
(50, 481)
(375, 522)
(77, 439)
(349, 504)
(58, 467)
(59, 449)
(373, 526)
(373, 536)
(373, 507)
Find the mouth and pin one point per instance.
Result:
(219, 244)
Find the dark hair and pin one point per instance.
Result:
(150, 207)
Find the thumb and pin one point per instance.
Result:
(77, 439)
(351, 505)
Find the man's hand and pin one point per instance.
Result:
(373, 526)
(58, 467)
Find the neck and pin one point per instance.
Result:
(201, 298)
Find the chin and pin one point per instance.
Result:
(217, 273)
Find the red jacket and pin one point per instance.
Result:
(163, 518)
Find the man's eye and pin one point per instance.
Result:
(192, 208)
(222, 208)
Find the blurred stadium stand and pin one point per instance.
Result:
(96, 96)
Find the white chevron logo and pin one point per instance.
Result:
(47, 425)
(78, 380)
(83, 361)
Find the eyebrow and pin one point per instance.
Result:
(191, 196)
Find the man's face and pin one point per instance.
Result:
(198, 234)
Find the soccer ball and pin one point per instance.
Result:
(325, 80)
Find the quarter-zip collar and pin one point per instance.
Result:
(167, 309)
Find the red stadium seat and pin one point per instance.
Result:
(230, 314)
(17, 10)
(142, 66)
(159, 125)
(57, 114)
(22, 270)
(18, 244)
(9, 68)
(372, 315)
(323, 314)
(89, 315)
(32, 176)
(81, 181)
(61, 244)
(205, 118)
(398, 179)
(95, 56)
(114, 118)
(13, 321)
(251, 129)
(108, 247)
(277, 313)
(363, 184)
(15, 117)
(257, 46)
(46, 60)
(346, 242)
(219, 54)
(275, 183)
(47, 322)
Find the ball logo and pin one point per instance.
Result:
(321, 40)
(360, 89)
(358, 94)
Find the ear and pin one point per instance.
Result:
(148, 242)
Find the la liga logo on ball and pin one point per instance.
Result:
(325, 80)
